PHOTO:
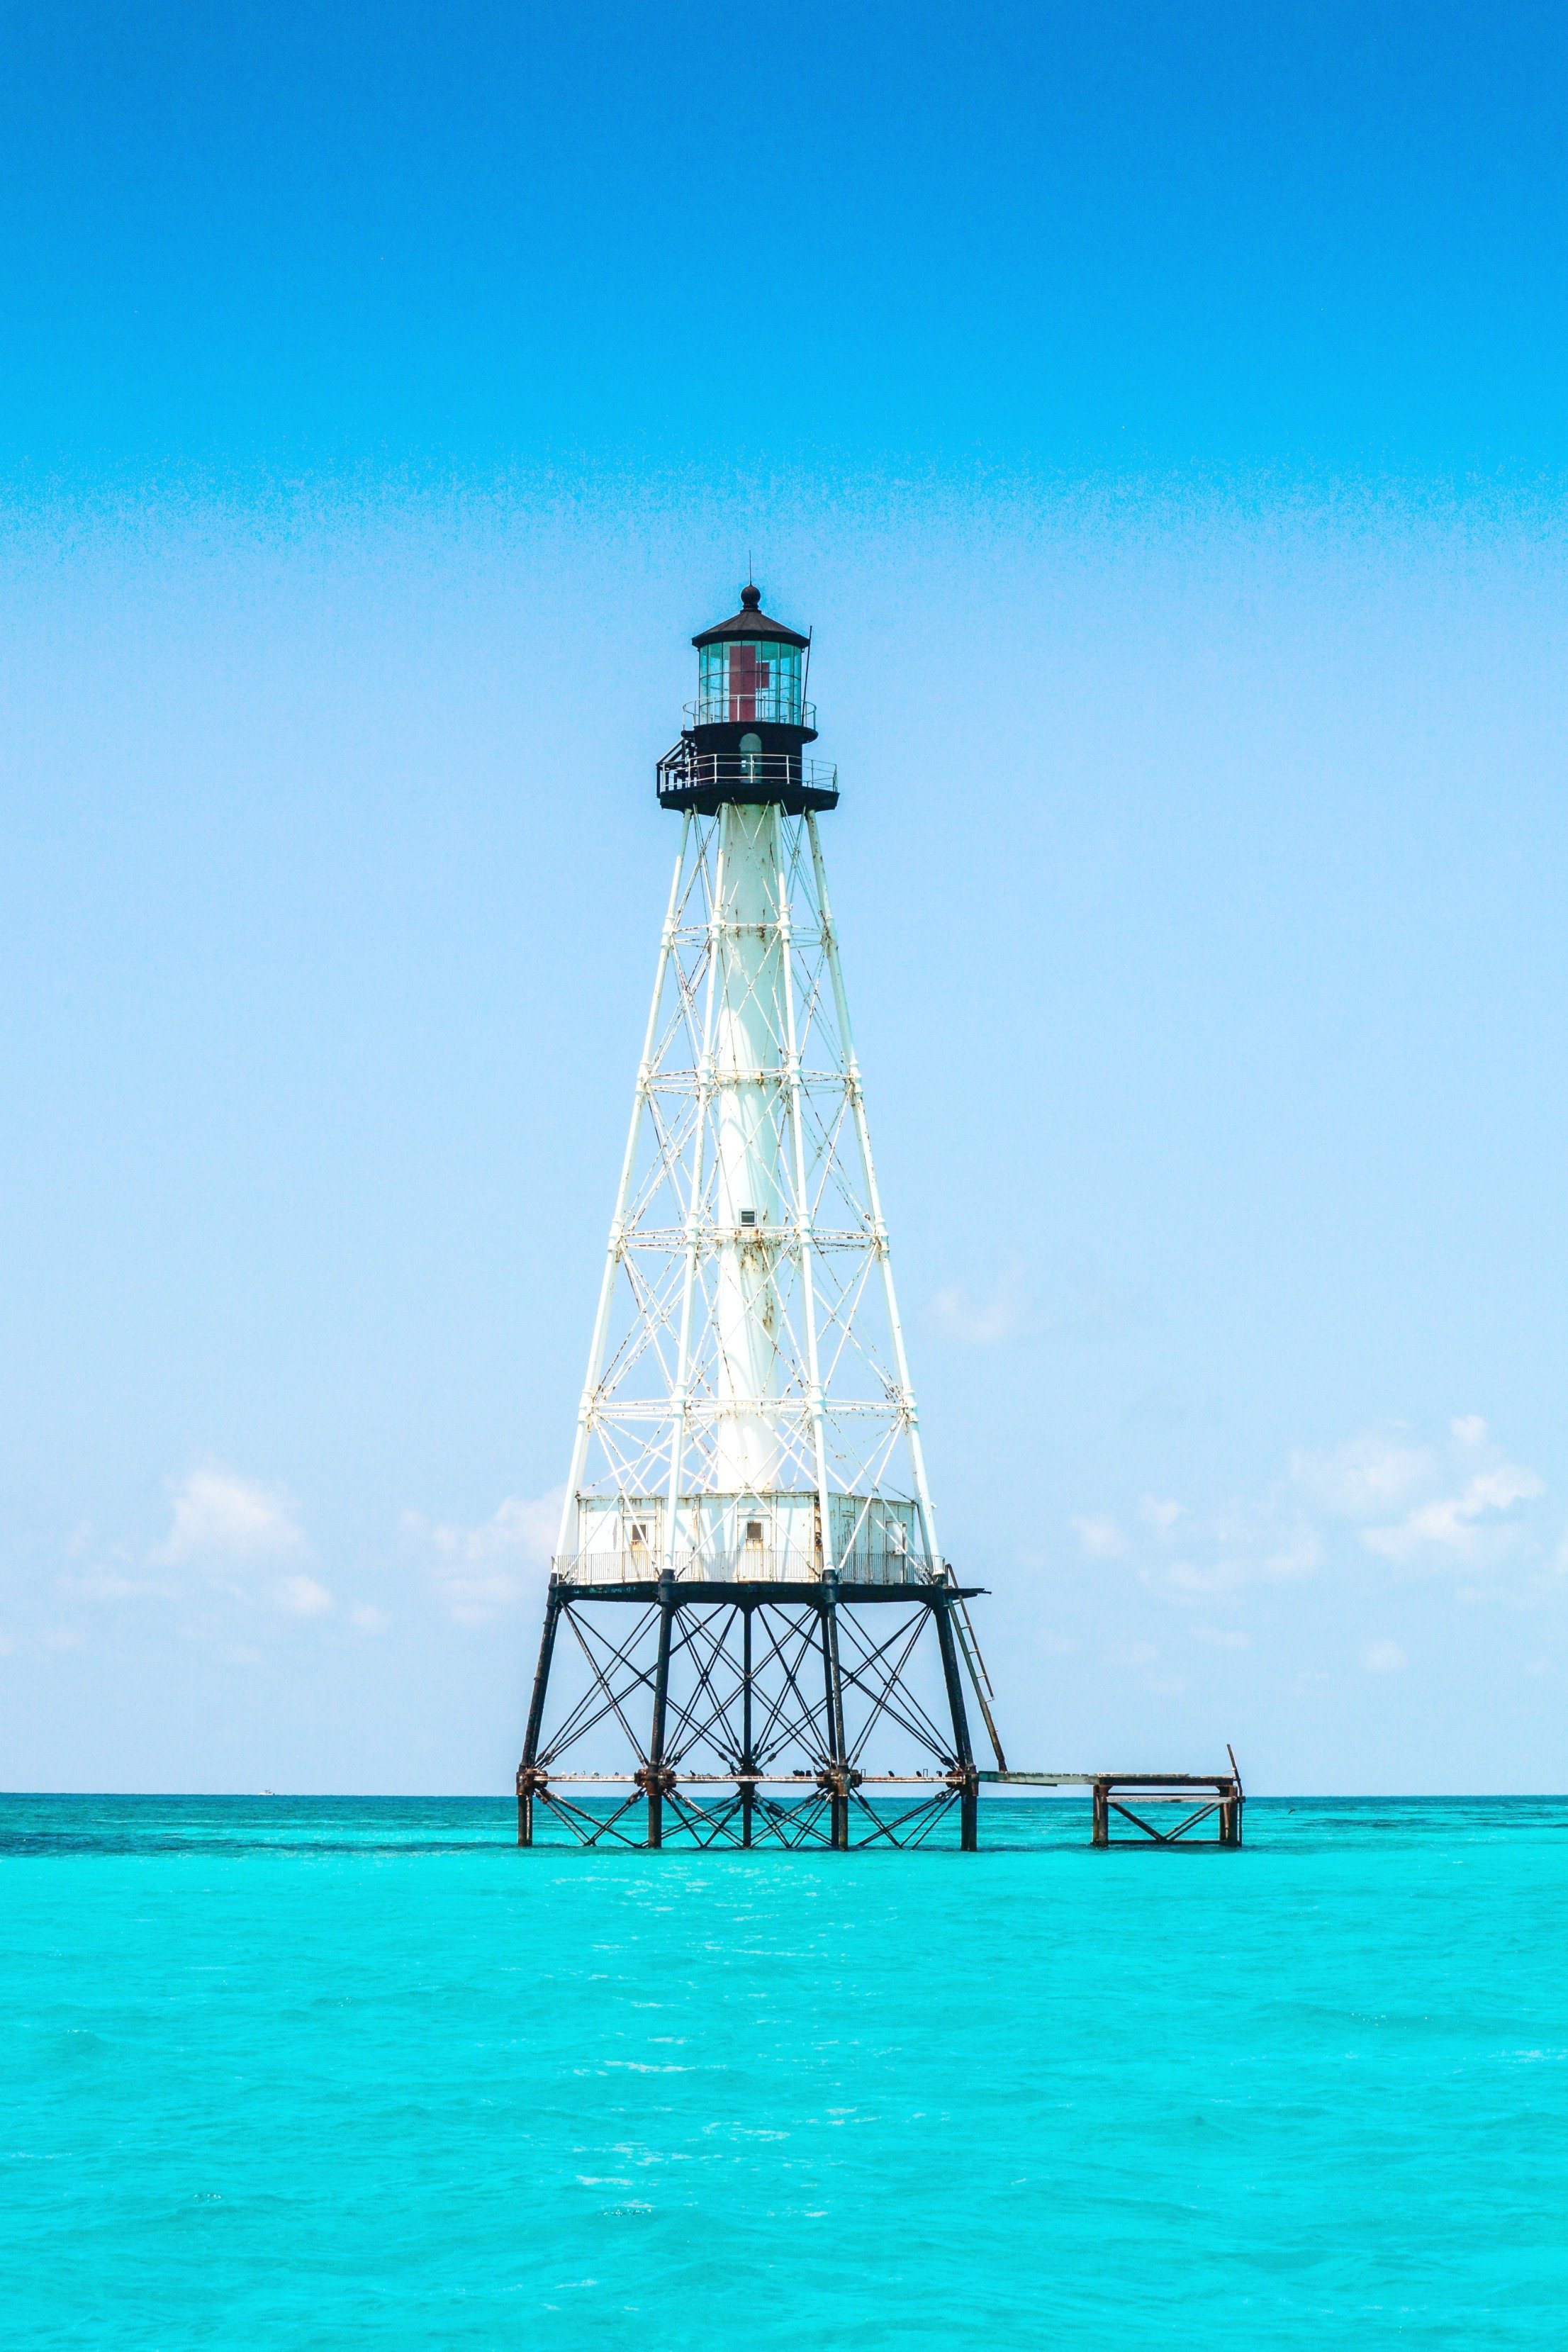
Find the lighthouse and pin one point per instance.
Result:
(752, 1634)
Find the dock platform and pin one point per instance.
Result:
(1200, 1797)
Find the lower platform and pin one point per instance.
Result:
(746, 1813)
(750, 1713)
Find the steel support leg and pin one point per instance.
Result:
(833, 1680)
(748, 1761)
(1102, 1813)
(527, 1770)
(962, 1756)
(655, 1776)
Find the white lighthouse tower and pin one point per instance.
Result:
(748, 1560)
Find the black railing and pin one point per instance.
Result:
(870, 1561)
(688, 778)
(768, 707)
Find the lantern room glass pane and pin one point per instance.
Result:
(747, 682)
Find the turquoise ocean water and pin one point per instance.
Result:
(353, 2073)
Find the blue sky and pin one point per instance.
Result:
(249, 243)
(1158, 414)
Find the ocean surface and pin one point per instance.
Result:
(355, 2072)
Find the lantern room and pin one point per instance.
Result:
(751, 675)
(750, 671)
(746, 731)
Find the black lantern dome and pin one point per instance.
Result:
(746, 730)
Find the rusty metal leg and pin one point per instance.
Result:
(1102, 1813)
(657, 1774)
(1238, 1797)
(748, 1761)
(528, 1775)
(962, 1756)
(833, 1682)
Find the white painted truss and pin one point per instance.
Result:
(747, 1412)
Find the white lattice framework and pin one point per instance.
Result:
(748, 1411)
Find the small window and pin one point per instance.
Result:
(640, 1532)
(748, 1216)
(753, 1531)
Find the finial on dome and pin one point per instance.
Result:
(751, 622)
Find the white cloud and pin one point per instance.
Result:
(985, 1323)
(1133, 1653)
(301, 1596)
(1187, 1582)
(1384, 1658)
(1422, 1506)
(1368, 1476)
(1455, 1504)
(234, 1550)
(480, 1572)
(109, 1584)
(1243, 1544)
(1458, 1530)
(1301, 1552)
(1221, 1637)
(366, 1620)
(221, 1516)
(1101, 1538)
